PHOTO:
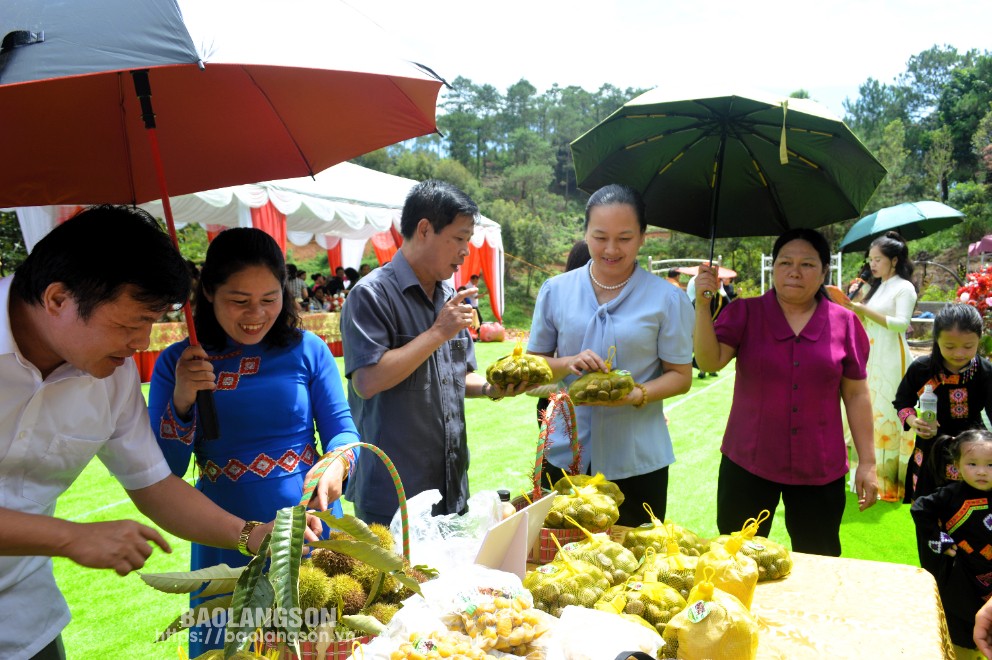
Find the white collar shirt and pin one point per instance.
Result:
(50, 429)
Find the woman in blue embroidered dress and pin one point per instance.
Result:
(611, 301)
(271, 380)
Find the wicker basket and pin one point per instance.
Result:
(343, 649)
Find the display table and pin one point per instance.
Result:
(851, 608)
(326, 325)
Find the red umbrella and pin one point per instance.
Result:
(244, 91)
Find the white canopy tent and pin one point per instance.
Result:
(345, 205)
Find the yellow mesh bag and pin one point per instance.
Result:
(672, 568)
(519, 367)
(733, 571)
(655, 534)
(653, 601)
(564, 582)
(617, 562)
(597, 387)
(773, 559)
(567, 484)
(714, 624)
(585, 506)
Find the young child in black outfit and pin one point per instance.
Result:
(962, 382)
(956, 522)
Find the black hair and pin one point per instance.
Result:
(616, 193)
(99, 252)
(673, 272)
(955, 316)
(351, 274)
(946, 450)
(439, 202)
(231, 252)
(578, 256)
(812, 237)
(892, 246)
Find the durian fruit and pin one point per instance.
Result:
(332, 563)
(349, 591)
(315, 587)
(383, 612)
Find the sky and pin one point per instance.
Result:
(828, 48)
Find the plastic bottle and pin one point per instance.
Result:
(928, 405)
(506, 507)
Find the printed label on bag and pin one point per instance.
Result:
(698, 611)
(635, 586)
(752, 545)
(569, 547)
(547, 569)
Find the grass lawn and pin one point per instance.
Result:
(120, 617)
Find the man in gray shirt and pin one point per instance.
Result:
(410, 360)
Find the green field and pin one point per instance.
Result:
(119, 617)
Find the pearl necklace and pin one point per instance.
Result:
(613, 287)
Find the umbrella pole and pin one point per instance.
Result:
(715, 200)
(209, 425)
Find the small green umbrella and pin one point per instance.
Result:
(730, 165)
(911, 220)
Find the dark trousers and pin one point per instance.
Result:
(812, 513)
(651, 489)
(54, 651)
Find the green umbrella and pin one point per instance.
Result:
(911, 220)
(728, 165)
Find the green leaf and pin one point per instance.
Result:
(407, 581)
(219, 579)
(243, 594)
(349, 525)
(375, 589)
(219, 603)
(372, 555)
(363, 623)
(284, 571)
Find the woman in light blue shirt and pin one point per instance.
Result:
(612, 302)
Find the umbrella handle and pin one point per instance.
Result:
(718, 262)
(207, 409)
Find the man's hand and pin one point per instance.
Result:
(122, 545)
(456, 315)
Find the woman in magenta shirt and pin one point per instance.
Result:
(799, 356)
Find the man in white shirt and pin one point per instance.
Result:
(73, 314)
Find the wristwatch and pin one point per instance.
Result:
(243, 538)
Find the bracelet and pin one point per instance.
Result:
(243, 538)
(644, 395)
(486, 391)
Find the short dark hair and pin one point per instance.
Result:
(439, 202)
(814, 238)
(231, 252)
(99, 252)
(616, 193)
(673, 272)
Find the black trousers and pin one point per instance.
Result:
(651, 489)
(54, 651)
(812, 513)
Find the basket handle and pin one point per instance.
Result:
(559, 403)
(334, 455)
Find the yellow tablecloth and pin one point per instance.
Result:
(326, 325)
(851, 608)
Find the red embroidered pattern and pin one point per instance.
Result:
(987, 552)
(228, 380)
(170, 429)
(262, 465)
(964, 545)
(959, 402)
(977, 504)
